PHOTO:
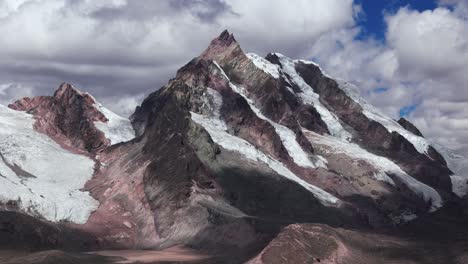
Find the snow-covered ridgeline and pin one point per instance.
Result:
(117, 129)
(308, 96)
(39, 175)
(217, 129)
(288, 137)
(383, 164)
(264, 65)
(420, 143)
(459, 166)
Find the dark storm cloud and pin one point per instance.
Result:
(136, 46)
(136, 10)
(206, 11)
(101, 82)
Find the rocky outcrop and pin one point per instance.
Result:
(312, 243)
(409, 126)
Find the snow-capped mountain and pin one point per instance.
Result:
(43, 167)
(226, 154)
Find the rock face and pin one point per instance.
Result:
(237, 147)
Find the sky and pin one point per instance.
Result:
(408, 57)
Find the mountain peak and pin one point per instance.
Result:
(222, 47)
(226, 37)
(67, 89)
(65, 93)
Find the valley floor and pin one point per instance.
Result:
(174, 254)
(171, 255)
(298, 243)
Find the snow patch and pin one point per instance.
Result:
(117, 129)
(308, 96)
(264, 65)
(217, 129)
(288, 137)
(39, 175)
(459, 165)
(383, 164)
(221, 70)
(420, 143)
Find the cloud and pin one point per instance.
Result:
(432, 52)
(11, 90)
(126, 104)
(430, 43)
(263, 27)
(122, 47)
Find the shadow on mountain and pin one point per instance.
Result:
(273, 203)
(23, 232)
(270, 203)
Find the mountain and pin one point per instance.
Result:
(266, 160)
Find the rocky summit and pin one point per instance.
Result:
(240, 158)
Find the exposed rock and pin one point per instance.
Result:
(409, 126)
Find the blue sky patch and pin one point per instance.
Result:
(373, 22)
(407, 110)
(380, 90)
